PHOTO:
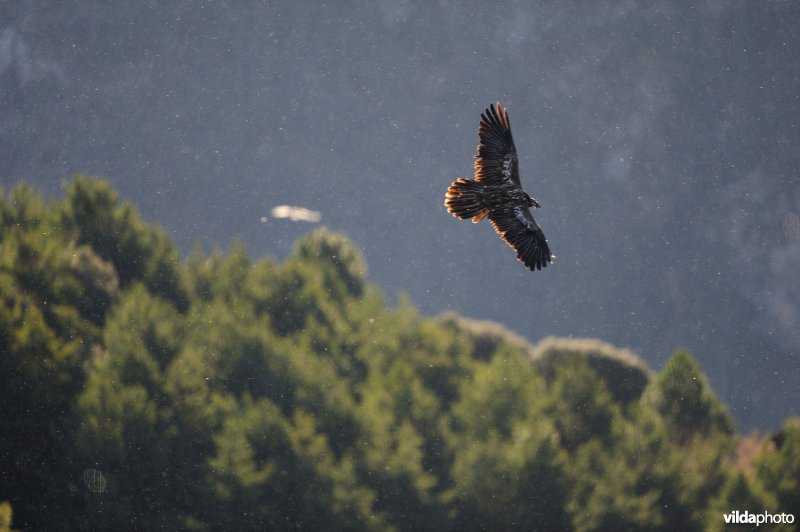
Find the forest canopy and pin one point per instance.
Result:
(217, 391)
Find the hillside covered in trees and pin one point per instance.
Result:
(142, 390)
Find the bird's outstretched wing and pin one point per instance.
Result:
(496, 161)
(518, 228)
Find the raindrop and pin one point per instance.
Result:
(94, 480)
(791, 225)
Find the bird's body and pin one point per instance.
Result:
(496, 192)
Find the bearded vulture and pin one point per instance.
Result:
(496, 192)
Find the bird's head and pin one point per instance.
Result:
(532, 202)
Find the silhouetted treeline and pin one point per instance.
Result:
(140, 390)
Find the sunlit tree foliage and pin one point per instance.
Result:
(778, 467)
(225, 392)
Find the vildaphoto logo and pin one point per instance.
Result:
(746, 518)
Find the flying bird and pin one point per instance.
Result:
(497, 193)
(296, 214)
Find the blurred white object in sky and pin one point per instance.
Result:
(296, 214)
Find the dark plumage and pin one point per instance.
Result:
(497, 193)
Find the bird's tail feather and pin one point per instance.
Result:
(465, 200)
